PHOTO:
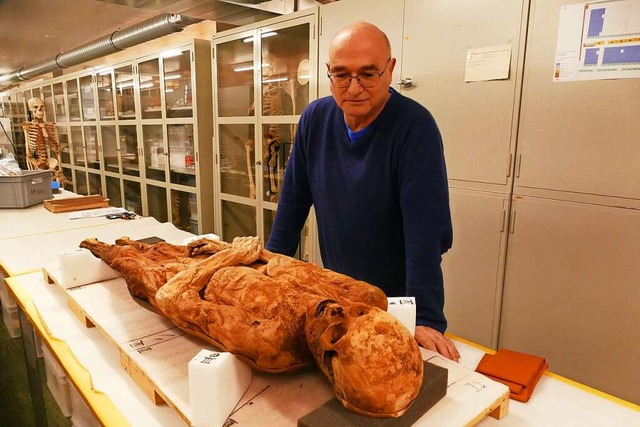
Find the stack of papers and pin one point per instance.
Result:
(93, 213)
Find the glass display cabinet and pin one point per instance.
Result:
(87, 98)
(9, 109)
(53, 96)
(263, 80)
(175, 150)
(125, 92)
(177, 84)
(17, 136)
(49, 106)
(127, 150)
(106, 92)
(139, 132)
(75, 106)
(73, 100)
(65, 155)
(60, 107)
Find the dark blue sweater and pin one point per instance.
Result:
(381, 202)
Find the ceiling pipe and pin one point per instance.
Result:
(144, 31)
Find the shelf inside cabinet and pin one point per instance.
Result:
(184, 170)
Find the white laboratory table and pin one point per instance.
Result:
(556, 401)
(37, 220)
(112, 396)
(31, 238)
(27, 253)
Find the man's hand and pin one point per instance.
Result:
(433, 340)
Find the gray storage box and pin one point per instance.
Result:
(30, 188)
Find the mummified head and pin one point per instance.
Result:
(36, 106)
(370, 358)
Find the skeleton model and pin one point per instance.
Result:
(272, 106)
(42, 139)
(248, 147)
(272, 148)
(276, 101)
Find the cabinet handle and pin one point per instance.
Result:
(408, 82)
(258, 163)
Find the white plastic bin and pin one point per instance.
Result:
(57, 382)
(82, 415)
(5, 298)
(30, 188)
(39, 345)
(11, 320)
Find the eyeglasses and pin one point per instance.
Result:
(366, 80)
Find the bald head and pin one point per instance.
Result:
(360, 68)
(361, 33)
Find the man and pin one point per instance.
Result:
(371, 162)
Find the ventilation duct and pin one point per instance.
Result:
(144, 31)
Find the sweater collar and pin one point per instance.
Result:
(354, 136)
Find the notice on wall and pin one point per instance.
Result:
(488, 63)
(598, 40)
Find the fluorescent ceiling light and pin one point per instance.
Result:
(170, 53)
(104, 71)
(172, 76)
(237, 70)
(280, 79)
(263, 35)
(146, 85)
(249, 68)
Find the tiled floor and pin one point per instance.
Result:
(15, 400)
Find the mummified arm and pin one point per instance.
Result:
(144, 269)
(189, 283)
(215, 310)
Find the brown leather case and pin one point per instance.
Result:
(518, 371)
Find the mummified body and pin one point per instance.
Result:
(256, 304)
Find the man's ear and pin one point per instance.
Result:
(392, 65)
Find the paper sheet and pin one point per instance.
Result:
(598, 40)
(94, 213)
(488, 63)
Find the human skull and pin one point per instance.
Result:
(371, 360)
(36, 106)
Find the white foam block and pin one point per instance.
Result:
(209, 236)
(404, 309)
(79, 267)
(217, 382)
